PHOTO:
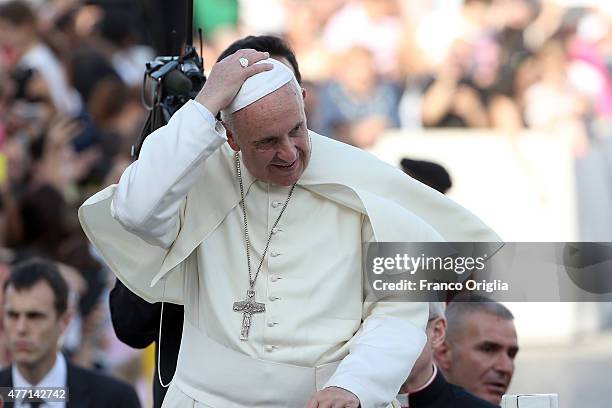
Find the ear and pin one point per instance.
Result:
(303, 93)
(443, 354)
(438, 332)
(231, 140)
(64, 320)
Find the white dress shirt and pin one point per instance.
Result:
(57, 377)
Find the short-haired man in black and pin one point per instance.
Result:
(137, 322)
(426, 386)
(36, 315)
(480, 346)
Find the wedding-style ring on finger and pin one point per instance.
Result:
(243, 62)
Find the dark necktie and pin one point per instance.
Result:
(36, 403)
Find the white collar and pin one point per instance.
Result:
(428, 383)
(56, 377)
(403, 398)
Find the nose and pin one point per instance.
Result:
(504, 365)
(287, 152)
(21, 324)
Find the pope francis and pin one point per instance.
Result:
(256, 224)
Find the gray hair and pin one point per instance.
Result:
(463, 306)
(226, 118)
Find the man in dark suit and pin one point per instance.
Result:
(480, 346)
(426, 387)
(36, 315)
(136, 323)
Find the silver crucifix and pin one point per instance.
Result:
(248, 307)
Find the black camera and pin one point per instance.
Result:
(170, 83)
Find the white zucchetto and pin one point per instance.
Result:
(260, 85)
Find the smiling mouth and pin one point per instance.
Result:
(285, 166)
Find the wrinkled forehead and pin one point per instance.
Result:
(487, 327)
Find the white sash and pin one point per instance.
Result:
(223, 378)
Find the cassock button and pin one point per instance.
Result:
(273, 298)
(274, 278)
(276, 204)
(271, 324)
(275, 230)
(274, 254)
(269, 348)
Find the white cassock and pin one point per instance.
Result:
(180, 239)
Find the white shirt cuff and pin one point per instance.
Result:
(379, 361)
(206, 113)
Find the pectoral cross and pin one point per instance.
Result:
(248, 307)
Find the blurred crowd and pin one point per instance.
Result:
(71, 74)
(370, 65)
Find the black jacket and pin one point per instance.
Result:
(136, 323)
(441, 393)
(87, 388)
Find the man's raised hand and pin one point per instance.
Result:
(227, 76)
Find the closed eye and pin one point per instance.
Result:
(265, 142)
(297, 128)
